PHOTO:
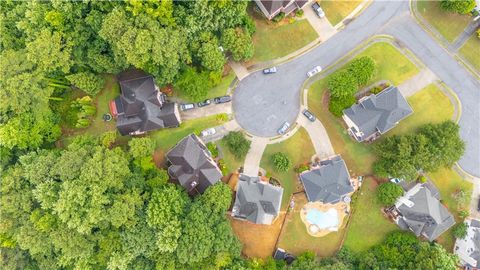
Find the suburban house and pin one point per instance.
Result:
(420, 211)
(272, 8)
(328, 181)
(257, 201)
(141, 107)
(191, 165)
(374, 115)
(468, 248)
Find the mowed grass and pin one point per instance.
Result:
(448, 183)
(471, 51)
(368, 226)
(300, 150)
(392, 64)
(336, 11)
(273, 40)
(231, 161)
(295, 238)
(430, 105)
(449, 25)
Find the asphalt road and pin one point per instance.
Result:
(262, 103)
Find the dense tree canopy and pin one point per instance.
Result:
(458, 6)
(388, 193)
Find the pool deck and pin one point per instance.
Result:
(341, 208)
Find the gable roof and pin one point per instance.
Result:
(468, 248)
(422, 212)
(140, 107)
(273, 7)
(329, 183)
(192, 165)
(379, 112)
(256, 201)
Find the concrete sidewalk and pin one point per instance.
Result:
(254, 155)
(417, 82)
(239, 70)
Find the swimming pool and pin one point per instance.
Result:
(323, 220)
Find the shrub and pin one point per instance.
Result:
(88, 82)
(213, 149)
(342, 84)
(460, 230)
(362, 69)
(141, 147)
(223, 117)
(299, 13)
(458, 6)
(337, 105)
(281, 162)
(301, 168)
(222, 166)
(237, 144)
(422, 179)
(249, 25)
(85, 110)
(461, 198)
(387, 193)
(279, 17)
(109, 138)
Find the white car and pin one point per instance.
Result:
(208, 132)
(396, 180)
(314, 71)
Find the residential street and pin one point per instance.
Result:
(262, 103)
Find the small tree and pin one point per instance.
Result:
(281, 162)
(460, 230)
(388, 193)
(88, 82)
(108, 138)
(141, 147)
(342, 84)
(237, 144)
(362, 69)
(238, 42)
(213, 149)
(458, 6)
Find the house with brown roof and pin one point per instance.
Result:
(141, 107)
(272, 8)
(191, 165)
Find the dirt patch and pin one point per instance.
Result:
(258, 240)
(159, 159)
(232, 181)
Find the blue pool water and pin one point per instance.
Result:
(323, 220)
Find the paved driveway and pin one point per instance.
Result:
(262, 103)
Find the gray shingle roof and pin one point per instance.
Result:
(423, 213)
(138, 106)
(329, 183)
(273, 6)
(379, 113)
(192, 165)
(468, 248)
(256, 201)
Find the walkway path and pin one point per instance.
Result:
(465, 35)
(239, 69)
(417, 83)
(254, 155)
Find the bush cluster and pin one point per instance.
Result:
(85, 110)
(388, 193)
(237, 144)
(281, 162)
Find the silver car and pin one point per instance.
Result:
(314, 71)
(284, 128)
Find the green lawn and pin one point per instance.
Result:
(392, 64)
(336, 11)
(368, 226)
(231, 161)
(219, 90)
(471, 51)
(449, 25)
(448, 182)
(167, 138)
(276, 40)
(430, 105)
(300, 149)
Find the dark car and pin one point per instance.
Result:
(270, 70)
(309, 115)
(204, 103)
(478, 206)
(223, 99)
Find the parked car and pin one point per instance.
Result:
(318, 9)
(478, 206)
(314, 71)
(309, 115)
(208, 132)
(223, 99)
(187, 106)
(396, 180)
(270, 70)
(284, 128)
(204, 103)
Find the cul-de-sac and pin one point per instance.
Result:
(240, 135)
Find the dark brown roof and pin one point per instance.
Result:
(138, 106)
(192, 165)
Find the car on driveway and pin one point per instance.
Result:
(208, 132)
(204, 103)
(309, 115)
(223, 99)
(283, 128)
(187, 106)
(314, 71)
(270, 70)
(318, 10)
(396, 180)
